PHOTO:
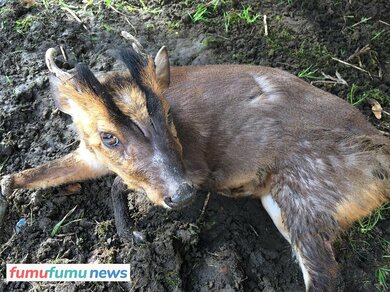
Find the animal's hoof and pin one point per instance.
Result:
(3, 209)
(6, 185)
(6, 190)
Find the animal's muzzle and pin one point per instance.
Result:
(183, 196)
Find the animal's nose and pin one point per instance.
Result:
(183, 196)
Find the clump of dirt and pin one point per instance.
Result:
(233, 246)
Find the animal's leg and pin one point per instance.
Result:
(316, 260)
(274, 212)
(76, 166)
(312, 250)
(311, 228)
(123, 222)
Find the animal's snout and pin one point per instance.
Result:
(183, 196)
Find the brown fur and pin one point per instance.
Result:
(360, 205)
(238, 130)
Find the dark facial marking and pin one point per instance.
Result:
(137, 63)
(85, 77)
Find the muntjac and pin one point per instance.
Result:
(313, 160)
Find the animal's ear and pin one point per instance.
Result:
(61, 100)
(75, 95)
(162, 68)
(60, 83)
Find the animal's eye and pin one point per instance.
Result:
(109, 140)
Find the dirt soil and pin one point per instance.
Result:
(234, 245)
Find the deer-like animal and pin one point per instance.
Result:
(313, 160)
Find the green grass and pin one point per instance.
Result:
(200, 14)
(352, 98)
(379, 35)
(24, 24)
(368, 224)
(227, 17)
(247, 15)
(60, 224)
(363, 20)
(363, 238)
(382, 275)
(309, 74)
(120, 6)
(358, 94)
(3, 163)
(146, 9)
(366, 227)
(212, 11)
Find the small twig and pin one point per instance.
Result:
(7, 244)
(359, 52)
(64, 53)
(336, 80)
(265, 25)
(222, 37)
(206, 201)
(254, 230)
(74, 16)
(125, 16)
(353, 66)
(66, 234)
(361, 21)
(71, 144)
(324, 82)
(134, 42)
(384, 22)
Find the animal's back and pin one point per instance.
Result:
(232, 90)
(238, 115)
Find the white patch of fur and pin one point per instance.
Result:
(78, 114)
(305, 272)
(126, 98)
(90, 159)
(165, 206)
(271, 92)
(274, 212)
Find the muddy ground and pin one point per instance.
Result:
(234, 245)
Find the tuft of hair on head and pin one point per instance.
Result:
(135, 61)
(143, 75)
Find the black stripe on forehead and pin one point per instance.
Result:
(86, 78)
(137, 63)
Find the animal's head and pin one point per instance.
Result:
(125, 122)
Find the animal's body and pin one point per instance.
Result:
(313, 160)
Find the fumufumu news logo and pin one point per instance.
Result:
(68, 272)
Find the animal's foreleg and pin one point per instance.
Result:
(76, 166)
(123, 222)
